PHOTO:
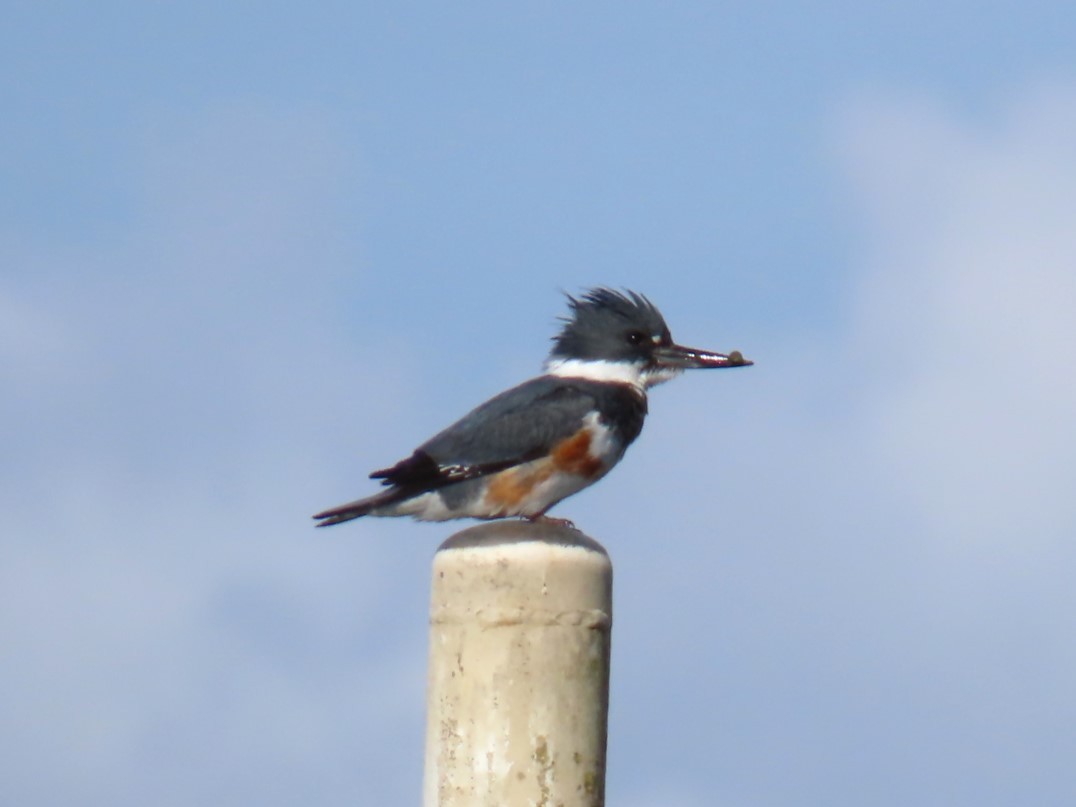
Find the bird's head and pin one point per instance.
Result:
(621, 336)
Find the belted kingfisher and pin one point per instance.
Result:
(522, 451)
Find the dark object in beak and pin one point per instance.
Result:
(687, 358)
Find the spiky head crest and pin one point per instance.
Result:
(610, 325)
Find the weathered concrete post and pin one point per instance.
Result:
(518, 691)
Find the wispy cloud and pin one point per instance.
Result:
(179, 391)
(964, 311)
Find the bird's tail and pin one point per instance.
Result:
(359, 507)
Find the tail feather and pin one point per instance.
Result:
(359, 507)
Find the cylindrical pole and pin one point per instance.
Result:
(518, 692)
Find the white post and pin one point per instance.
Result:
(518, 692)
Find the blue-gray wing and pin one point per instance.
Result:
(517, 426)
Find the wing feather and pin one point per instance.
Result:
(517, 426)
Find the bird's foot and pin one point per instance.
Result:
(552, 522)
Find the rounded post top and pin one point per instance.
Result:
(499, 533)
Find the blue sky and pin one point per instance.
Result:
(249, 253)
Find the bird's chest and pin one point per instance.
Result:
(571, 465)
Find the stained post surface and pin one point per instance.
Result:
(518, 687)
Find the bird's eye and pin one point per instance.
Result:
(636, 337)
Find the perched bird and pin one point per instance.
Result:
(521, 452)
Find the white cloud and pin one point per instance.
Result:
(170, 618)
(964, 320)
(869, 538)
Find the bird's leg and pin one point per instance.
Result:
(542, 518)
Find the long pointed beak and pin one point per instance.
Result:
(687, 358)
